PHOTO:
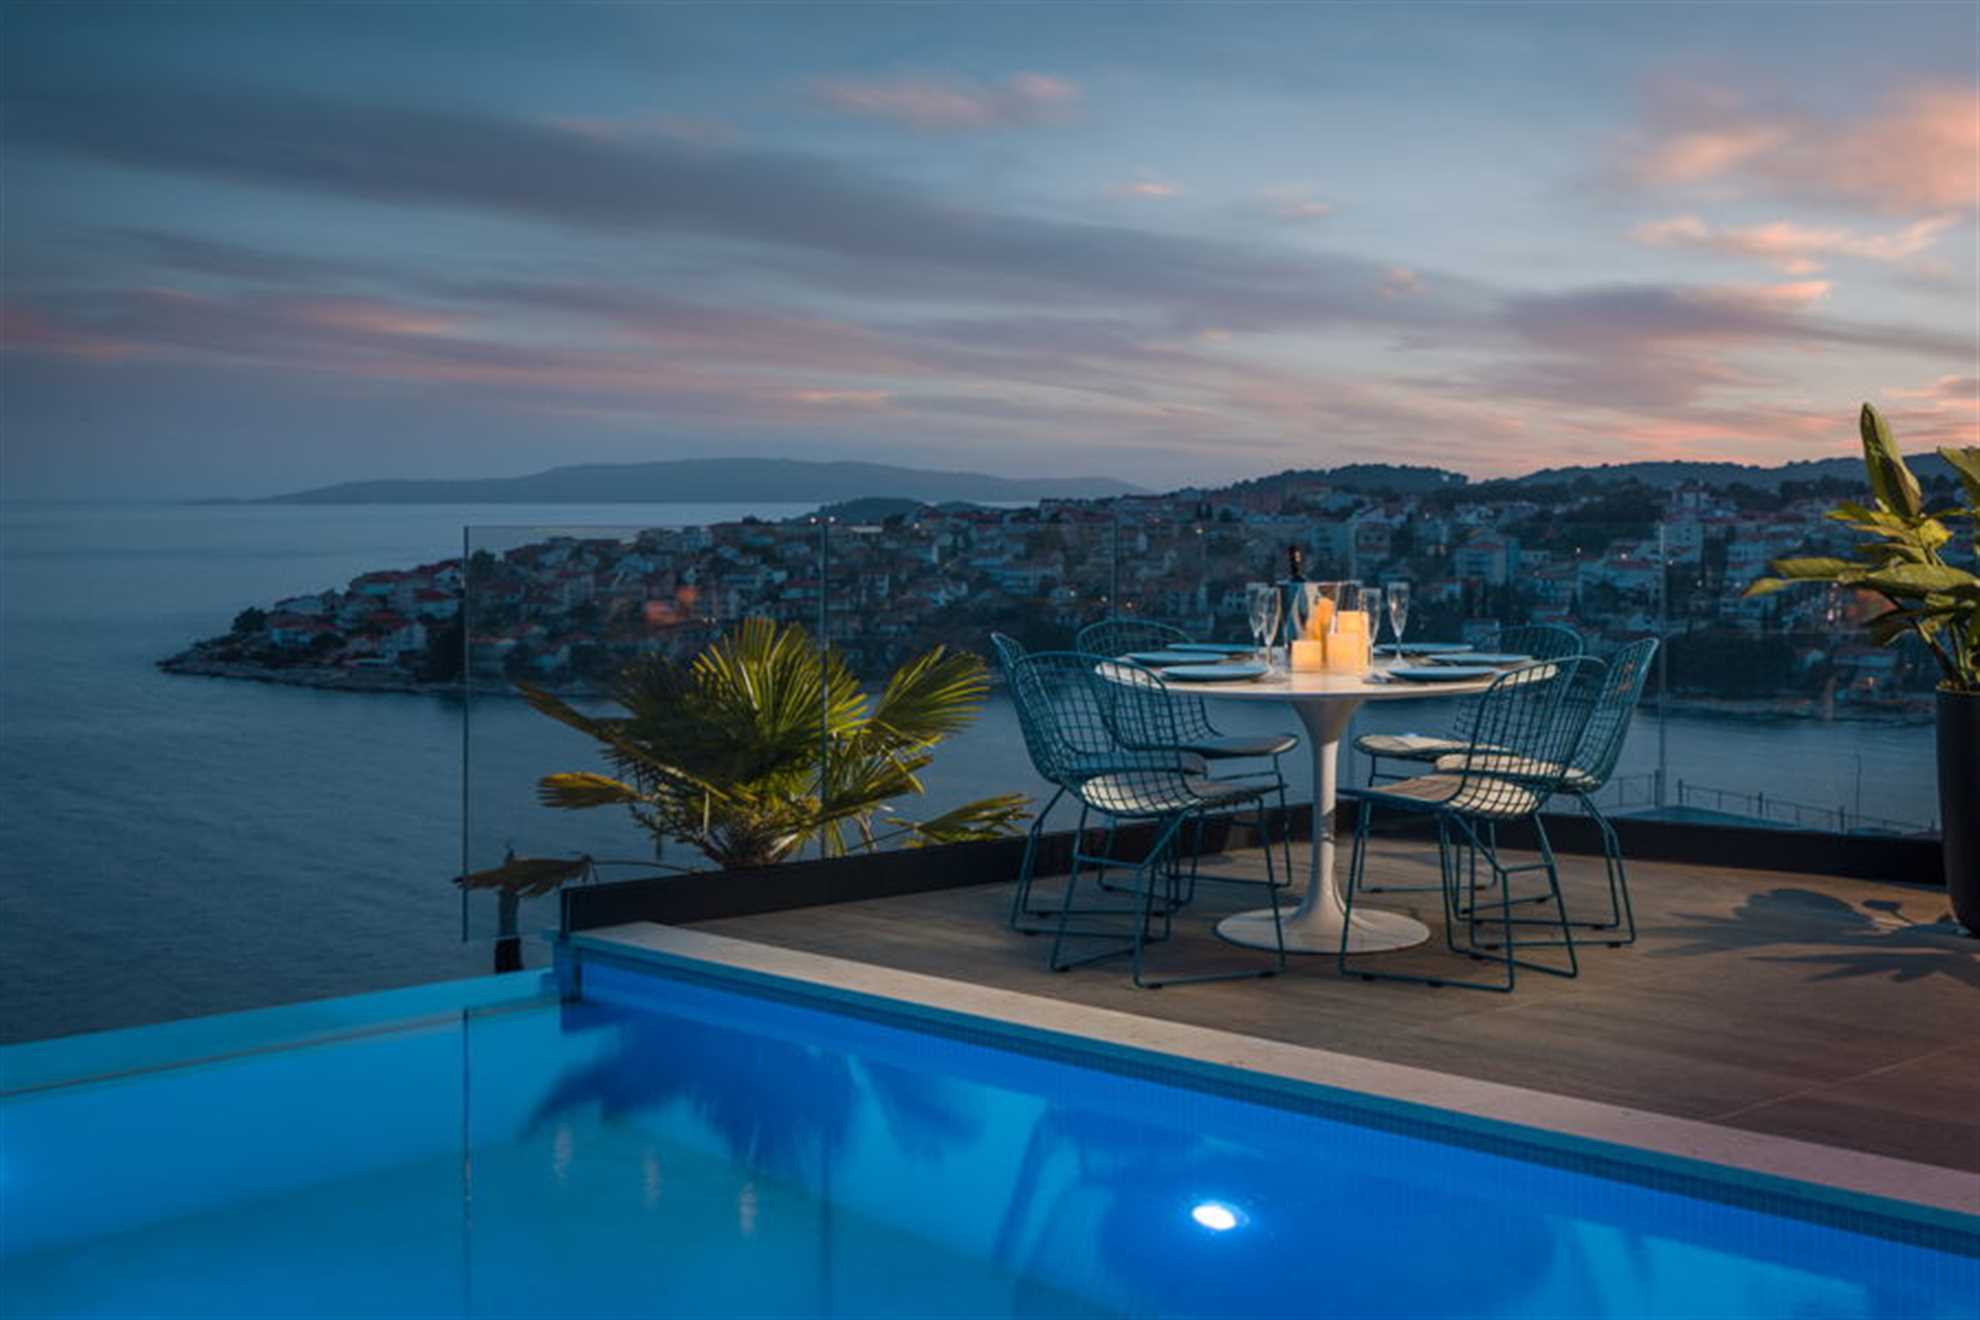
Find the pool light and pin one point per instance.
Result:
(1215, 1216)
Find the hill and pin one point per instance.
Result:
(1368, 478)
(713, 481)
(1927, 467)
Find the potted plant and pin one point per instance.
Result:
(1931, 600)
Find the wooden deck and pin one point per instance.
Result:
(1836, 1011)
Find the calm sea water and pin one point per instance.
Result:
(173, 845)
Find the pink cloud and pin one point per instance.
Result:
(1796, 249)
(1922, 154)
(841, 398)
(1917, 153)
(1701, 154)
(934, 104)
(1791, 297)
(1294, 202)
(1149, 186)
(27, 330)
(375, 317)
(1948, 395)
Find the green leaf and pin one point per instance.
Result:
(1883, 553)
(1918, 579)
(1871, 520)
(984, 819)
(1890, 480)
(577, 790)
(528, 877)
(929, 698)
(1817, 569)
(1891, 625)
(1966, 462)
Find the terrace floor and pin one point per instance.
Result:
(1841, 1012)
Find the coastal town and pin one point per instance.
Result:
(887, 579)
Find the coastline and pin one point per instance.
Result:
(338, 678)
(333, 678)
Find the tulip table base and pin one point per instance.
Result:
(1315, 927)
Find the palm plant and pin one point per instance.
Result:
(764, 743)
(1928, 598)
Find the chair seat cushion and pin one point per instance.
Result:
(1521, 767)
(1155, 794)
(1407, 746)
(1229, 748)
(1471, 795)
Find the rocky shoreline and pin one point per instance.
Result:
(334, 678)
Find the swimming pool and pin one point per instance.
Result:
(679, 1145)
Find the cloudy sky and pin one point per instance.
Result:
(253, 248)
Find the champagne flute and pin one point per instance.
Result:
(1370, 602)
(1254, 594)
(1266, 609)
(1398, 612)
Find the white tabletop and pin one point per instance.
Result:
(1362, 687)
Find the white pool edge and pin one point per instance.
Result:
(1661, 1135)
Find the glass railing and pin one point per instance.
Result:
(363, 630)
(1777, 710)
(1755, 714)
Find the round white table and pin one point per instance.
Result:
(1326, 704)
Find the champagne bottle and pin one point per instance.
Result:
(1289, 595)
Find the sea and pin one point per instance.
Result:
(174, 845)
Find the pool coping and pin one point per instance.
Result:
(1849, 1183)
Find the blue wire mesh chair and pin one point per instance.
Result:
(1588, 773)
(1061, 766)
(1119, 637)
(1106, 730)
(1534, 715)
(1009, 651)
(1417, 750)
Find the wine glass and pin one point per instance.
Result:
(1398, 612)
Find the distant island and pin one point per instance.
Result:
(716, 481)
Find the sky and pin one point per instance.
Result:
(249, 249)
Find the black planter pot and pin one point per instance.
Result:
(1959, 802)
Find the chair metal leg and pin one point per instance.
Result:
(1622, 914)
(1511, 940)
(1021, 900)
(1560, 903)
(1373, 773)
(1140, 980)
(1356, 866)
(1285, 820)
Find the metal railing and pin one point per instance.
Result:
(1625, 792)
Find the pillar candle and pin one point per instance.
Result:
(1307, 656)
(1347, 644)
(1318, 622)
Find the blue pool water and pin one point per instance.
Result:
(669, 1147)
